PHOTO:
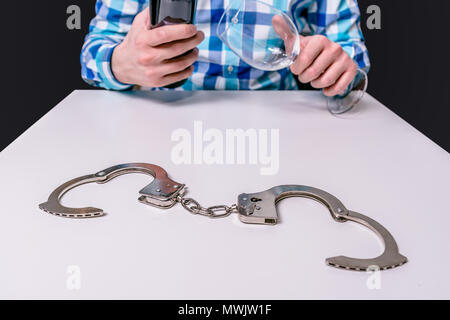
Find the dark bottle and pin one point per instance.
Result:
(164, 12)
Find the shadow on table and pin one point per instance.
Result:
(361, 109)
(308, 102)
(178, 98)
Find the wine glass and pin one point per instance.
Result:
(267, 39)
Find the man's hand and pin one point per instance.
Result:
(321, 61)
(151, 58)
(325, 64)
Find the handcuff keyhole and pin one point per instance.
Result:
(255, 199)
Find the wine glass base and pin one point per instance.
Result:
(341, 104)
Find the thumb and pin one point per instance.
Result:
(143, 18)
(284, 32)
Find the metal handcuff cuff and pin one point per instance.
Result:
(254, 208)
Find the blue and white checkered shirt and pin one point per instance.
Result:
(217, 66)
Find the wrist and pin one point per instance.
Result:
(117, 63)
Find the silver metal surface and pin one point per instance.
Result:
(162, 192)
(389, 259)
(260, 208)
(218, 211)
(255, 208)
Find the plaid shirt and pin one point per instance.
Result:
(218, 67)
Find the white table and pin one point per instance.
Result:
(372, 160)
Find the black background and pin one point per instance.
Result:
(409, 56)
(281, 309)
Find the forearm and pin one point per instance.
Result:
(96, 62)
(357, 50)
(344, 28)
(107, 30)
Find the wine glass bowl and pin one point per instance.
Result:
(247, 28)
(267, 39)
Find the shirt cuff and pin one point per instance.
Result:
(104, 69)
(361, 64)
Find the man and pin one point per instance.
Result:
(121, 50)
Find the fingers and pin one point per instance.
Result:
(171, 50)
(341, 84)
(322, 62)
(173, 70)
(169, 33)
(280, 26)
(312, 49)
(330, 76)
(180, 63)
(175, 77)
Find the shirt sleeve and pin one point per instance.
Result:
(108, 29)
(338, 20)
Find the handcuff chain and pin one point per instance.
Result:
(219, 211)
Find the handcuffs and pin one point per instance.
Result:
(254, 208)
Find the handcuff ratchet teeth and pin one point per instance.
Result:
(254, 208)
(162, 192)
(261, 208)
